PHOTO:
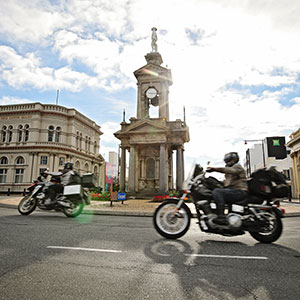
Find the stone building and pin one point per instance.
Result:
(35, 136)
(149, 140)
(294, 145)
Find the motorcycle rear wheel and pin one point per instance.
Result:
(27, 205)
(170, 222)
(272, 231)
(73, 212)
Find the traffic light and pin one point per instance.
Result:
(276, 147)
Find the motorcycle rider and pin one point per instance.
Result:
(58, 188)
(235, 185)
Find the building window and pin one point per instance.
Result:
(10, 133)
(3, 174)
(61, 161)
(86, 168)
(19, 175)
(43, 170)
(89, 149)
(95, 147)
(57, 134)
(77, 166)
(86, 143)
(20, 160)
(3, 160)
(50, 133)
(3, 134)
(26, 129)
(20, 133)
(44, 160)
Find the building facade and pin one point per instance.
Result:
(36, 136)
(294, 144)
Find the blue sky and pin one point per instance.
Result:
(235, 64)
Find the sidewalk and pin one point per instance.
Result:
(142, 208)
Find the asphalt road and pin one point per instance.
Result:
(48, 256)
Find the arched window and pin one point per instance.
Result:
(20, 160)
(150, 168)
(3, 134)
(26, 129)
(77, 166)
(96, 174)
(10, 133)
(50, 133)
(86, 168)
(20, 133)
(3, 160)
(86, 143)
(89, 147)
(57, 134)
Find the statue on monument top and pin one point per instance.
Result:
(154, 40)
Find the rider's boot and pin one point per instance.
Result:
(221, 218)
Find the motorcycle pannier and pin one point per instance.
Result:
(88, 180)
(260, 187)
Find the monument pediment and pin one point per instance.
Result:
(152, 70)
(146, 126)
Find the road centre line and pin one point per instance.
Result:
(228, 256)
(84, 249)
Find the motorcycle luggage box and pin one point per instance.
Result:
(73, 190)
(88, 180)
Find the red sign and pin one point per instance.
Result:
(109, 173)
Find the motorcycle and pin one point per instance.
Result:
(70, 201)
(259, 213)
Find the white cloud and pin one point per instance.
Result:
(210, 46)
(13, 100)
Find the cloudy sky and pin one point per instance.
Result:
(235, 64)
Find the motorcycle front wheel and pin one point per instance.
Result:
(170, 222)
(271, 231)
(27, 205)
(73, 212)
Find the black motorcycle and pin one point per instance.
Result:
(259, 213)
(70, 200)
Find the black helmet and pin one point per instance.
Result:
(68, 166)
(231, 158)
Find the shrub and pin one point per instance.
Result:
(160, 198)
(105, 196)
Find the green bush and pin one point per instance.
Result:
(105, 196)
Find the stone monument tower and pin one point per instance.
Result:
(151, 141)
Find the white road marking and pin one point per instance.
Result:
(85, 249)
(227, 256)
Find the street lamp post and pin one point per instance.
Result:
(262, 146)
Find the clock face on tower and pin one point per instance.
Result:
(151, 93)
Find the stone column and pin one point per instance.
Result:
(51, 156)
(35, 165)
(123, 170)
(179, 168)
(131, 179)
(162, 169)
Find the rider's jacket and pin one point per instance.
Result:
(235, 177)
